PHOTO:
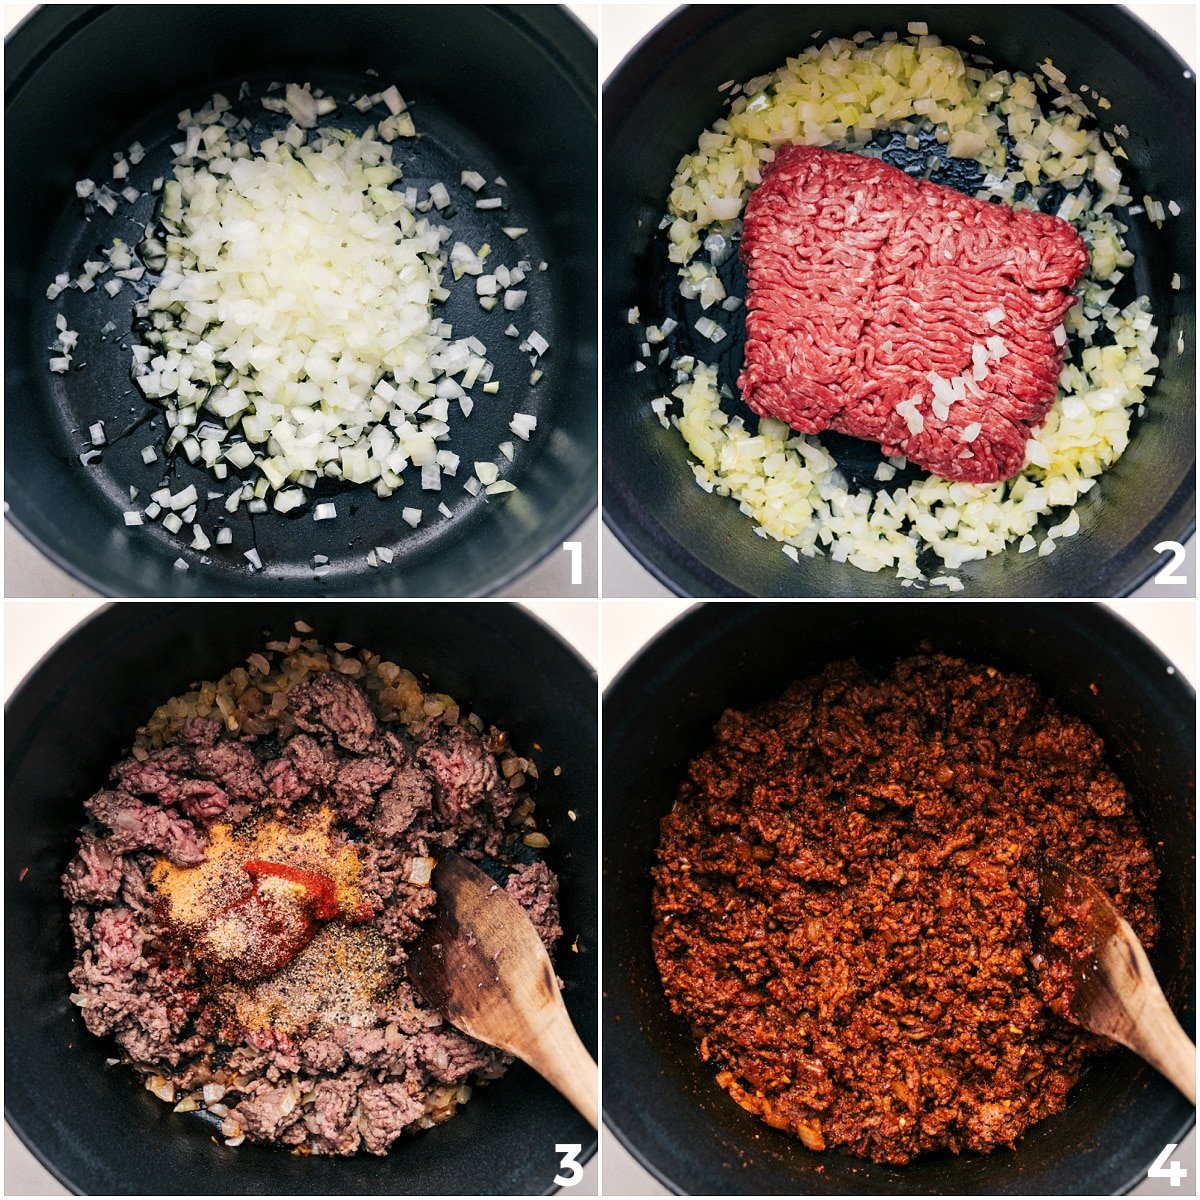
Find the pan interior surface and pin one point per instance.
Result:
(702, 545)
(660, 713)
(507, 94)
(94, 1126)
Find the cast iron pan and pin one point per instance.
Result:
(95, 1128)
(655, 106)
(505, 90)
(659, 714)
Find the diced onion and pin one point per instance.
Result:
(316, 355)
(420, 871)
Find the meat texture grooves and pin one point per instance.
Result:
(863, 282)
(398, 773)
(844, 898)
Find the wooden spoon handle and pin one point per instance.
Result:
(563, 1061)
(1160, 1040)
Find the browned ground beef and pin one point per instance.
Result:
(844, 898)
(405, 773)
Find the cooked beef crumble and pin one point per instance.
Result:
(242, 899)
(844, 898)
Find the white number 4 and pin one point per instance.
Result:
(573, 1172)
(1172, 1171)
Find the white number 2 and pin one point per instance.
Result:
(1178, 558)
(1172, 1171)
(573, 1172)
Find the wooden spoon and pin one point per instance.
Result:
(1097, 975)
(481, 964)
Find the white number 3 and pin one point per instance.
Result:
(573, 1172)
(1172, 1171)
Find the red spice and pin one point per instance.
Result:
(322, 892)
(261, 932)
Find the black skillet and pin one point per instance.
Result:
(702, 545)
(505, 90)
(96, 1128)
(659, 714)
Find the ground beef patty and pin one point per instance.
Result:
(242, 900)
(843, 900)
(865, 282)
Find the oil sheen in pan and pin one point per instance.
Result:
(99, 386)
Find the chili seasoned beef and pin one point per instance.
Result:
(864, 282)
(242, 901)
(844, 897)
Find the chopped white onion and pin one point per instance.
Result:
(343, 372)
(288, 499)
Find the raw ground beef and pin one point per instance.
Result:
(863, 281)
(405, 773)
(844, 899)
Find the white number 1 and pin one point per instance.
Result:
(575, 550)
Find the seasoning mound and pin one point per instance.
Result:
(242, 900)
(844, 897)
